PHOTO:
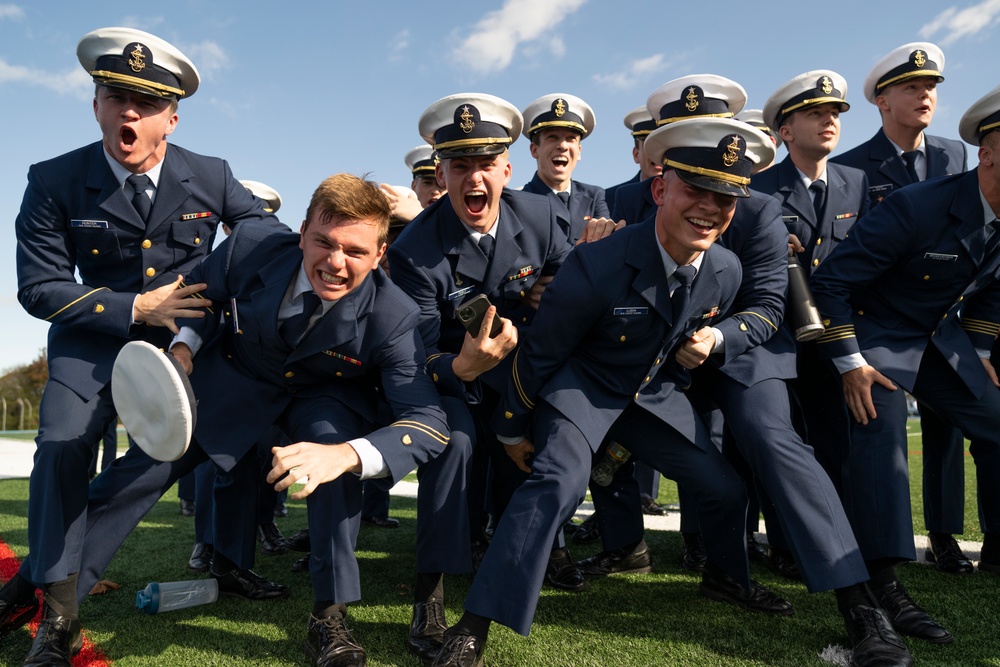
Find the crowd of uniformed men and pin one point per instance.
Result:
(645, 322)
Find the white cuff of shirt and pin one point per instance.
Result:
(984, 354)
(372, 463)
(720, 341)
(187, 336)
(507, 440)
(849, 363)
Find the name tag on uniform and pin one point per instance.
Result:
(631, 311)
(938, 257)
(789, 218)
(880, 189)
(460, 293)
(89, 224)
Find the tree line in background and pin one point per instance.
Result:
(21, 387)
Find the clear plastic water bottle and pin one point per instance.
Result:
(170, 595)
(614, 458)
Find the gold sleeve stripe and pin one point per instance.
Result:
(76, 301)
(831, 339)
(981, 323)
(423, 428)
(433, 357)
(750, 312)
(517, 383)
(981, 327)
(197, 295)
(841, 327)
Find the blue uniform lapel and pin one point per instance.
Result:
(171, 191)
(340, 324)
(967, 212)
(276, 275)
(795, 192)
(506, 251)
(112, 198)
(456, 243)
(651, 280)
(890, 163)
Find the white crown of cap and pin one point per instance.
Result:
(712, 85)
(492, 109)
(544, 104)
(112, 41)
(897, 57)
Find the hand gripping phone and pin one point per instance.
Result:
(471, 315)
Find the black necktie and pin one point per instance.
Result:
(140, 201)
(910, 158)
(564, 197)
(818, 188)
(294, 328)
(486, 245)
(682, 293)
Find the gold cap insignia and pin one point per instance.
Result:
(919, 59)
(732, 153)
(407, 440)
(560, 107)
(136, 62)
(467, 123)
(692, 99)
(826, 85)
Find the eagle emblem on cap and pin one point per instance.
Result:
(732, 153)
(559, 108)
(137, 61)
(919, 59)
(467, 123)
(692, 99)
(826, 85)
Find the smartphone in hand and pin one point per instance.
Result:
(471, 315)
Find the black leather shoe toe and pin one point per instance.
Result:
(755, 550)
(299, 541)
(588, 531)
(427, 630)
(563, 573)
(947, 556)
(907, 617)
(873, 641)
(187, 508)
(460, 651)
(272, 542)
(201, 557)
(651, 507)
(249, 585)
(13, 614)
(721, 588)
(637, 560)
(330, 644)
(379, 522)
(58, 639)
(301, 564)
(694, 552)
(782, 563)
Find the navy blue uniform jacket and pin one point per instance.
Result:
(75, 216)
(439, 266)
(886, 170)
(364, 347)
(585, 201)
(906, 276)
(605, 336)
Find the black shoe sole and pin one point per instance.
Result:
(18, 620)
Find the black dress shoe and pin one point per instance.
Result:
(989, 561)
(58, 639)
(694, 552)
(563, 573)
(272, 542)
(588, 531)
(379, 522)
(946, 555)
(187, 507)
(299, 541)
(13, 614)
(201, 557)
(873, 641)
(301, 564)
(427, 630)
(651, 507)
(782, 562)
(907, 617)
(330, 644)
(281, 510)
(721, 588)
(637, 560)
(249, 585)
(460, 651)
(755, 550)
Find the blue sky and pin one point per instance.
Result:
(292, 92)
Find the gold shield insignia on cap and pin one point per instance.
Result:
(467, 123)
(692, 99)
(137, 61)
(826, 85)
(560, 107)
(919, 59)
(732, 153)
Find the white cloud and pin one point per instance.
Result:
(208, 56)
(73, 82)
(492, 42)
(400, 41)
(633, 72)
(957, 23)
(11, 12)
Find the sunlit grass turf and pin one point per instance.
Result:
(654, 619)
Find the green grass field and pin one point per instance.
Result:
(656, 619)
